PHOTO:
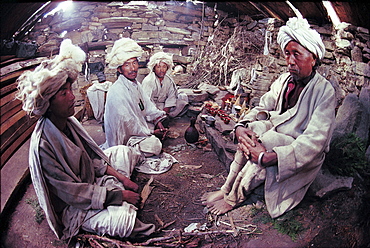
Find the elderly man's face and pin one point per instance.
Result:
(129, 69)
(300, 61)
(160, 70)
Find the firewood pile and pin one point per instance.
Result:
(224, 53)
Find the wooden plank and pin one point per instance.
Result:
(11, 135)
(7, 98)
(8, 106)
(12, 121)
(6, 133)
(7, 114)
(21, 65)
(6, 59)
(10, 76)
(15, 145)
(9, 58)
(8, 89)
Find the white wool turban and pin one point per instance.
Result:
(160, 57)
(35, 88)
(298, 29)
(123, 50)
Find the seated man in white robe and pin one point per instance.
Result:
(97, 94)
(161, 88)
(284, 150)
(128, 110)
(77, 184)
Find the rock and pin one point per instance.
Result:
(194, 97)
(329, 45)
(364, 124)
(193, 111)
(210, 89)
(348, 116)
(148, 27)
(178, 30)
(362, 30)
(251, 25)
(361, 68)
(218, 143)
(327, 184)
(356, 54)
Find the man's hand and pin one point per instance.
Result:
(131, 197)
(251, 147)
(160, 131)
(127, 183)
(249, 144)
(167, 110)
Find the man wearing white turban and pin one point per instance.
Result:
(286, 149)
(77, 184)
(128, 110)
(161, 88)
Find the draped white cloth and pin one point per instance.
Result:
(69, 179)
(96, 94)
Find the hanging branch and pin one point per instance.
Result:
(223, 54)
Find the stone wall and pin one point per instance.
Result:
(180, 28)
(209, 50)
(251, 45)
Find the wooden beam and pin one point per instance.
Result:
(15, 107)
(13, 133)
(21, 65)
(12, 121)
(15, 145)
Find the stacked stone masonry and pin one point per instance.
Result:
(209, 49)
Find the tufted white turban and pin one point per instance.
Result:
(298, 29)
(123, 50)
(35, 88)
(160, 57)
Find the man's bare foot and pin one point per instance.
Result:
(210, 197)
(220, 207)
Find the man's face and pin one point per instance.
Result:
(300, 61)
(129, 69)
(160, 70)
(62, 104)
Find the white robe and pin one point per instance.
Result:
(123, 117)
(63, 173)
(300, 137)
(127, 124)
(164, 94)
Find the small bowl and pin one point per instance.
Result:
(210, 120)
(203, 117)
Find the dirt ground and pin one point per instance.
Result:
(174, 204)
